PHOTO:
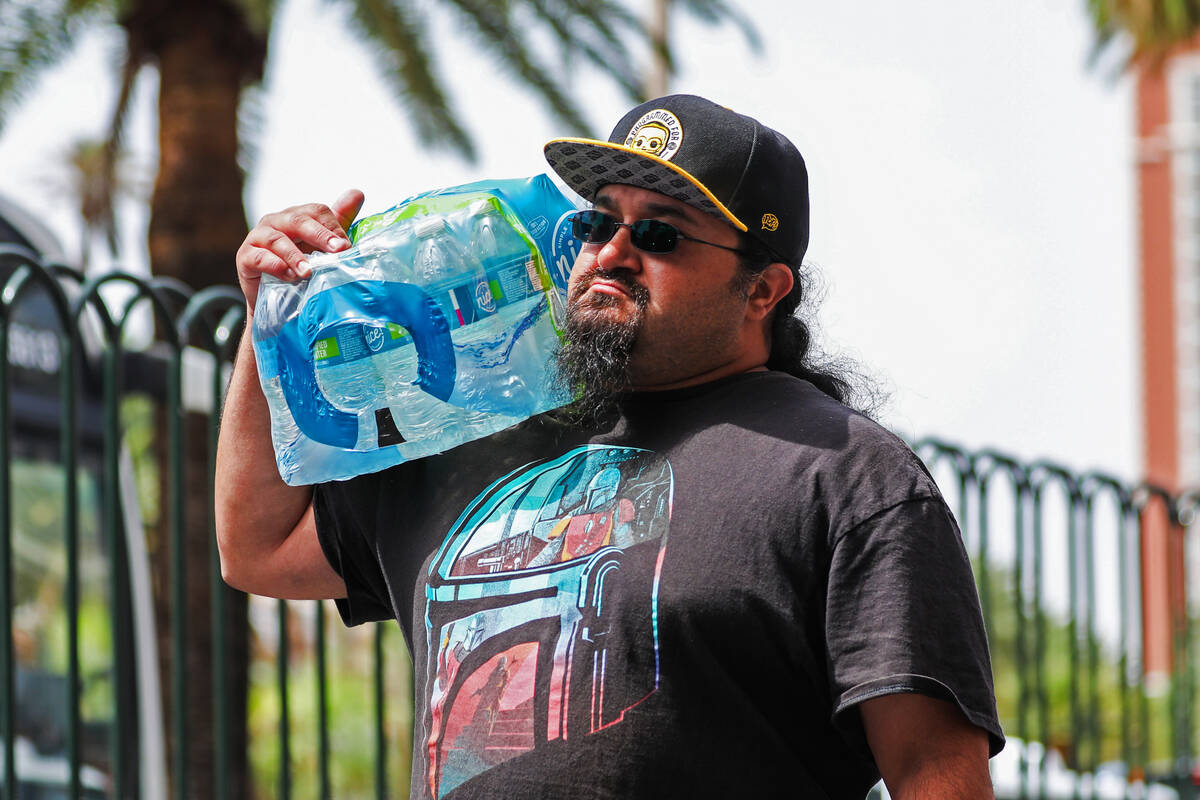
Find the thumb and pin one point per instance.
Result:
(347, 206)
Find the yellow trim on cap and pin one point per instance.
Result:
(737, 223)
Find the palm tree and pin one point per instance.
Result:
(95, 180)
(1153, 26)
(208, 54)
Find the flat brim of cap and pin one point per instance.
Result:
(586, 165)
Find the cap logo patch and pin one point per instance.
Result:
(770, 222)
(658, 133)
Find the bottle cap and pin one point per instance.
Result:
(482, 207)
(430, 226)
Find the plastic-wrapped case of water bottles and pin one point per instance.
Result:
(437, 327)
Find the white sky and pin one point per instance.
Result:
(971, 181)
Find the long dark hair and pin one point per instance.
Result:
(793, 349)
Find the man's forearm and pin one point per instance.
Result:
(255, 510)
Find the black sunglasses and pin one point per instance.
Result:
(648, 235)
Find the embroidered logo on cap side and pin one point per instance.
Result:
(770, 222)
(658, 133)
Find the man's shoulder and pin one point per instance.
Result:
(841, 453)
(792, 408)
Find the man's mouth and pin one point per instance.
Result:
(608, 287)
(612, 286)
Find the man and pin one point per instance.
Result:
(710, 578)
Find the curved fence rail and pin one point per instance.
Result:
(132, 671)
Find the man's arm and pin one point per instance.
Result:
(266, 532)
(925, 748)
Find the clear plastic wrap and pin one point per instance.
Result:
(435, 328)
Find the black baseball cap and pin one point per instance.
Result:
(724, 163)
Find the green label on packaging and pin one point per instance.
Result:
(326, 348)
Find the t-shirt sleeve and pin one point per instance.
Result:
(903, 615)
(351, 553)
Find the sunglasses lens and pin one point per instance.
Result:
(592, 226)
(650, 235)
(654, 236)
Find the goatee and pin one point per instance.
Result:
(594, 358)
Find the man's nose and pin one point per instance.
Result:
(619, 252)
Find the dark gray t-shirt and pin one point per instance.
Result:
(689, 604)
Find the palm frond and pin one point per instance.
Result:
(610, 21)
(131, 62)
(259, 14)
(94, 192)
(250, 125)
(34, 36)
(574, 25)
(397, 32)
(604, 34)
(494, 30)
(1152, 27)
(716, 12)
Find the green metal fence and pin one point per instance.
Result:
(105, 547)
(1091, 642)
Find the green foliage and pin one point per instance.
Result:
(1153, 26)
(34, 36)
(259, 14)
(95, 655)
(40, 572)
(350, 704)
(1058, 684)
(139, 426)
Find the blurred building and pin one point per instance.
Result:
(1168, 100)
(1168, 180)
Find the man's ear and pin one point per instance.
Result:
(772, 285)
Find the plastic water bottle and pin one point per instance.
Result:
(493, 240)
(349, 375)
(436, 328)
(495, 355)
(439, 256)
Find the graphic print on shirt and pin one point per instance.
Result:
(541, 609)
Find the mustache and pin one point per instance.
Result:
(639, 293)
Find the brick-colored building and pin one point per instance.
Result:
(1168, 184)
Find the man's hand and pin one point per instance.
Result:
(925, 748)
(278, 244)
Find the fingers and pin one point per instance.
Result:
(347, 206)
(267, 250)
(278, 244)
(314, 225)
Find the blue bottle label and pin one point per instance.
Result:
(353, 341)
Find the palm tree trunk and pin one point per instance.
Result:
(197, 220)
(205, 53)
(658, 77)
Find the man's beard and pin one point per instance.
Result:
(593, 360)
